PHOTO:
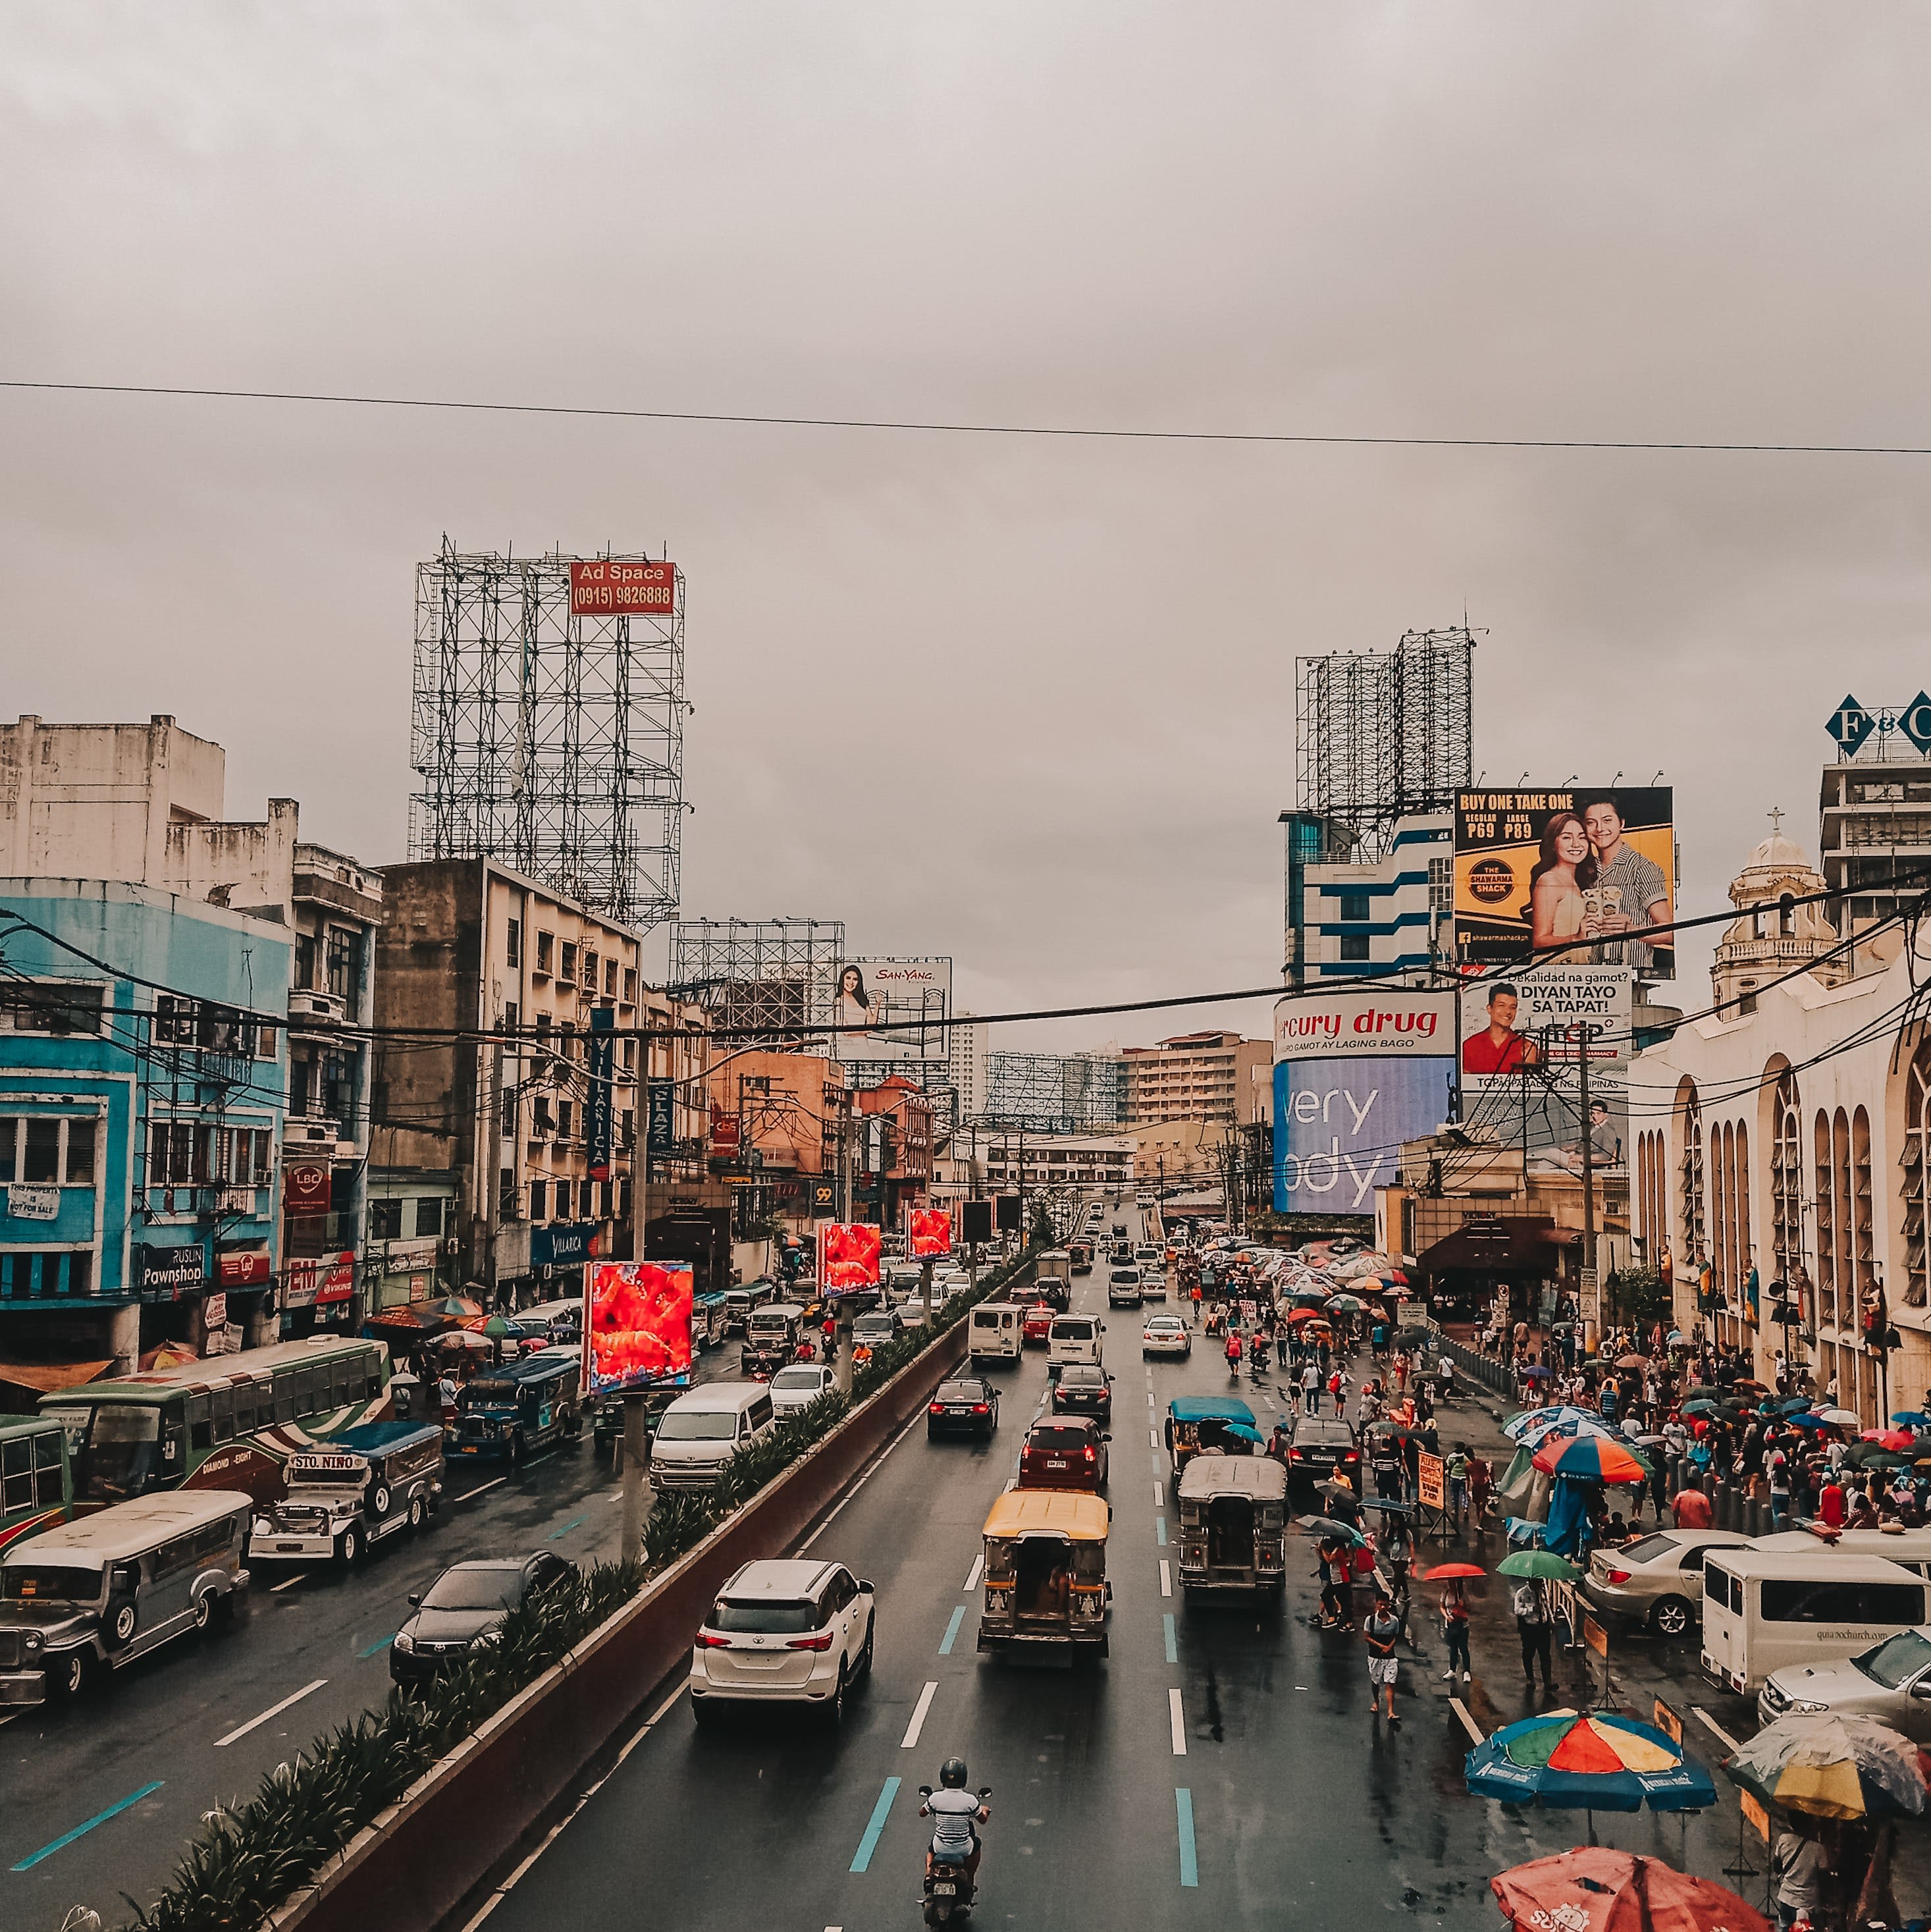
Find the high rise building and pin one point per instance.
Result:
(1199, 1076)
(1351, 913)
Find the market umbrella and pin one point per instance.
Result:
(1535, 1423)
(1346, 1304)
(1602, 1762)
(456, 1307)
(1832, 1766)
(498, 1328)
(1842, 1417)
(1594, 1458)
(1867, 1456)
(406, 1318)
(1310, 1298)
(1543, 1563)
(1891, 1439)
(1305, 1315)
(1609, 1891)
(1632, 1361)
(461, 1338)
(1443, 1572)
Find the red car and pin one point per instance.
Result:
(1038, 1326)
(1065, 1454)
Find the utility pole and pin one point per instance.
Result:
(841, 1311)
(1592, 1305)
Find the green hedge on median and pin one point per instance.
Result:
(251, 1855)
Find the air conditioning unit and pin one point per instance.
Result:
(303, 1003)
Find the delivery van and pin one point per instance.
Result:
(1764, 1609)
(995, 1333)
(1072, 1338)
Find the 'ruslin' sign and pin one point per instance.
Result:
(622, 587)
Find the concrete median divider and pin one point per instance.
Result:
(419, 1861)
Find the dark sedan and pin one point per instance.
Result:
(1084, 1388)
(1066, 1455)
(466, 1602)
(968, 1405)
(1321, 1447)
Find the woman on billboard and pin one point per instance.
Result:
(1564, 870)
(854, 1007)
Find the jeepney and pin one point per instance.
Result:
(1233, 1522)
(770, 1340)
(1197, 1424)
(739, 1303)
(520, 1407)
(709, 1313)
(1045, 1592)
(351, 1492)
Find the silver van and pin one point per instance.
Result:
(88, 1597)
(352, 1491)
(703, 1429)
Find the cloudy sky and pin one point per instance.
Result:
(1028, 702)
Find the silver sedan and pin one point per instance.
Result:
(1166, 1335)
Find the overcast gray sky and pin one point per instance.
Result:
(1027, 702)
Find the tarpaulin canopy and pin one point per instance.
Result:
(48, 1376)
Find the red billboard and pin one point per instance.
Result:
(307, 1187)
(727, 1132)
(847, 1256)
(639, 1333)
(622, 587)
(930, 1232)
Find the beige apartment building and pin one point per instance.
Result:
(1199, 1076)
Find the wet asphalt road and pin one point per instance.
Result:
(153, 1728)
(1269, 1791)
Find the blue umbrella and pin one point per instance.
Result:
(1241, 1429)
(1806, 1422)
(1912, 1418)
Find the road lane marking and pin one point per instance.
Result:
(81, 1831)
(1150, 1403)
(1461, 1710)
(953, 1631)
(910, 1741)
(273, 1711)
(977, 1570)
(1183, 1810)
(1172, 1637)
(1159, 1496)
(1166, 1578)
(1723, 1737)
(1153, 1438)
(481, 1489)
(837, 1508)
(1155, 1460)
(557, 1535)
(861, 1858)
(1177, 1720)
(1160, 1530)
(300, 1577)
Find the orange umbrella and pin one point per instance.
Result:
(1610, 1891)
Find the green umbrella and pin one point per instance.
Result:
(1544, 1563)
(1346, 1304)
(1332, 1530)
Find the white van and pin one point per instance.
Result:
(995, 1334)
(1072, 1338)
(1910, 1547)
(703, 1429)
(1765, 1609)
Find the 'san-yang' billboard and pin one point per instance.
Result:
(1570, 875)
(1355, 1076)
(639, 1333)
(892, 1009)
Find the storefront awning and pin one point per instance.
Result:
(1493, 1247)
(46, 1377)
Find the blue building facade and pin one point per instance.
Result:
(1349, 918)
(140, 1130)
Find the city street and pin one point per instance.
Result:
(1216, 1767)
(200, 1721)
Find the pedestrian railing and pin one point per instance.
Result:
(1492, 1374)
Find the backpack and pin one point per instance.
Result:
(1527, 1604)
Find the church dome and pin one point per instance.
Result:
(1779, 854)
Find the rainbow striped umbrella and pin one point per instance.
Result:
(1592, 1459)
(1601, 1762)
(1832, 1765)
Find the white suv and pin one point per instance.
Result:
(784, 1632)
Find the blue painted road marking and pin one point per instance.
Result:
(81, 1831)
(1160, 1530)
(1183, 1810)
(556, 1535)
(380, 1643)
(1173, 1639)
(861, 1858)
(953, 1631)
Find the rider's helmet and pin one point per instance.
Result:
(952, 1773)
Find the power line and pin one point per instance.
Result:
(1063, 432)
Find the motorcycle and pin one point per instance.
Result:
(949, 1892)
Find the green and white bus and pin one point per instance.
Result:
(36, 1482)
(228, 1423)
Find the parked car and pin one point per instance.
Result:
(463, 1605)
(1084, 1388)
(1891, 1681)
(966, 1405)
(1166, 1335)
(786, 1630)
(795, 1389)
(1037, 1325)
(1322, 1447)
(1657, 1579)
(1067, 1453)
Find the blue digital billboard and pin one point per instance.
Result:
(1339, 1124)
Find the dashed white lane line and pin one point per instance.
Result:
(1166, 1578)
(1176, 1719)
(910, 1741)
(977, 1570)
(1153, 1438)
(1461, 1710)
(1159, 1496)
(273, 1711)
(1722, 1736)
(289, 1583)
(481, 1489)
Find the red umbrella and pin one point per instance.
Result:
(1442, 1572)
(1891, 1439)
(1307, 1315)
(1609, 1891)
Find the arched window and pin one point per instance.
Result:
(1741, 1243)
(1841, 1223)
(1915, 1185)
(1693, 1248)
(1720, 1275)
(1786, 1180)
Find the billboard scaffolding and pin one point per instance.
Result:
(1382, 736)
(750, 974)
(547, 728)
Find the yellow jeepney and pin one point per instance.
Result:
(1045, 1589)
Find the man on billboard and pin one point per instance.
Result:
(1630, 892)
(1500, 1049)
(1606, 1144)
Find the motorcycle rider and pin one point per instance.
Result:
(958, 1814)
